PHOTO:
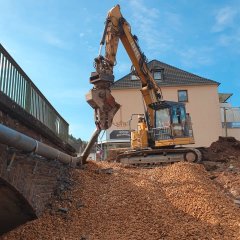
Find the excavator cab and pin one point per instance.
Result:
(172, 124)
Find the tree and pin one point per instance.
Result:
(78, 144)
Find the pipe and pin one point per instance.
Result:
(27, 144)
(87, 149)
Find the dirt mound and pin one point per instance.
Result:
(109, 201)
(223, 150)
(113, 153)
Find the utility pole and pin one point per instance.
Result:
(225, 121)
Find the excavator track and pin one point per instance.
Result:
(154, 157)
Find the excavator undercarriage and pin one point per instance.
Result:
(155, 157)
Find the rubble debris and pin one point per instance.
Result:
(84, 238)
(230, 181)
(223, 150)
(113, 153)
(104, 171)
(64, 210)
(80, 204)
(236, 201)
(178, 201)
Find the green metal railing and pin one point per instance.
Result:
(18, 86)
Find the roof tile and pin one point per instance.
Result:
(172, 76)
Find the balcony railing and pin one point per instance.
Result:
(18, 87)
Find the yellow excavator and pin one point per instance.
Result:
(164, 127)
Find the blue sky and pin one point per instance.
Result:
(55, 42)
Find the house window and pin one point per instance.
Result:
(157, 75)
(182, 95)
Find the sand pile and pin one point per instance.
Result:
(109, 201)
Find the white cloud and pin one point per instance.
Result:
(174, 20)
(156, 37)
(86, 34)
(224, 18)
(143, 17)
(82, 34)
(141, 9)
(192, 57)
(52, 39)
(230, 40)
(227, 27)
(225, 40)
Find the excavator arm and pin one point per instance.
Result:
(100, 98)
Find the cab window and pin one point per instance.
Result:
(163, 118)
(179, 115)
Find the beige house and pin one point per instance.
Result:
(199, 94)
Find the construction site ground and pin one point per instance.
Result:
(107, 200)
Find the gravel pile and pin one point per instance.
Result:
(109, 201)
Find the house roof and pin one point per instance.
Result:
(223, 97)
(172, 76)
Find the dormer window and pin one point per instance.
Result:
(158, 74)
(134, 77)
